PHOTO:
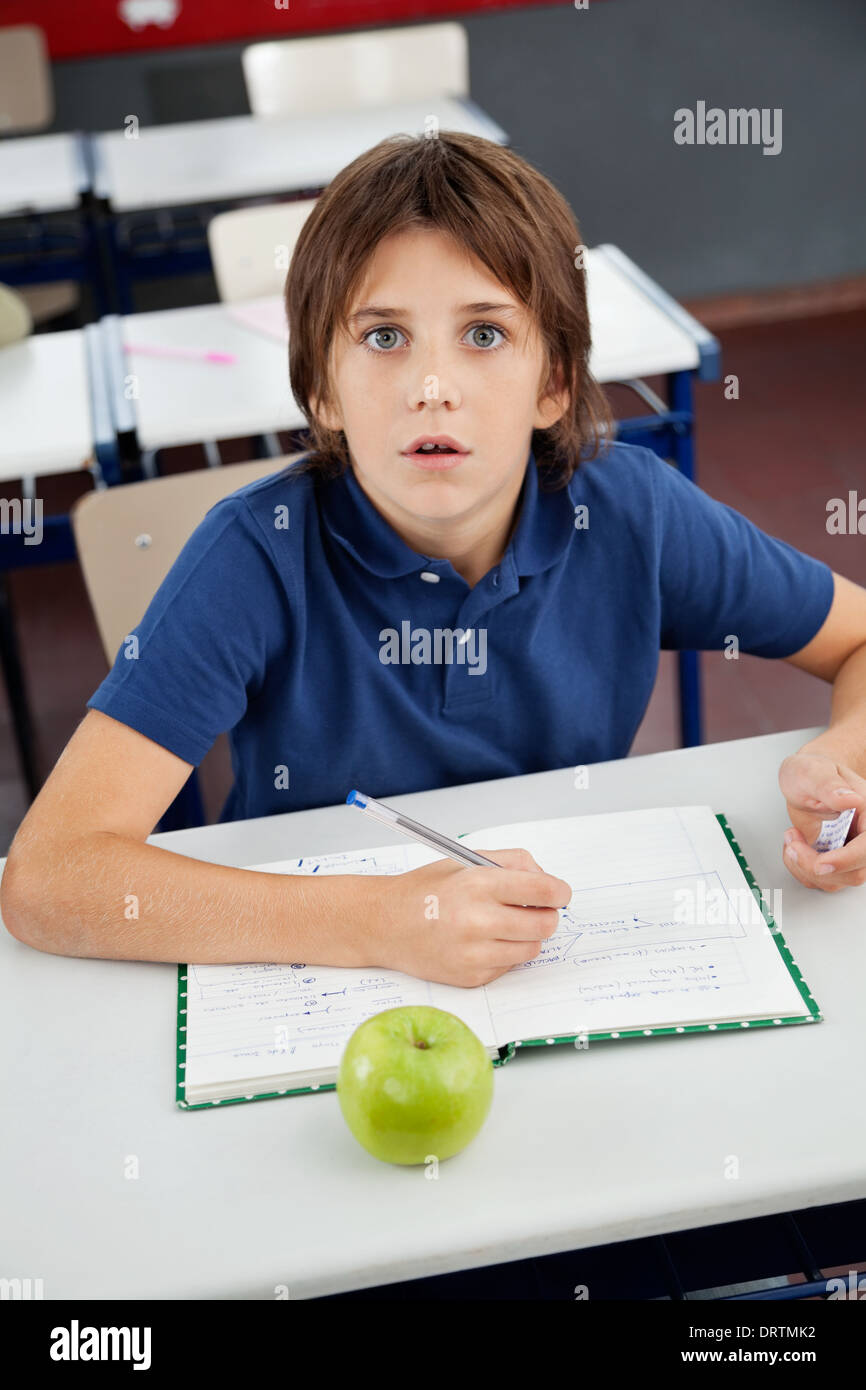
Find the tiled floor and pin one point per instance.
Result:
(777, 454)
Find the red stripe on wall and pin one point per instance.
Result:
(125, 26)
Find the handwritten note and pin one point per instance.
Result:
(245, 1022)
(662, 928)
(834, 832)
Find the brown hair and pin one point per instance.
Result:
(502, 211)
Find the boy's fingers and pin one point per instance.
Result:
(847, 859)
(816, 869)
(513, 859)
(817, 786)
(529, 924)
(517, 889)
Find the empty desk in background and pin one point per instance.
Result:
(54, 406)
(45, 230)
(42, 173)
(581, 1148)
(638, 329)
(54, 418)
(169, 401)
(247, 156)
(214, 162)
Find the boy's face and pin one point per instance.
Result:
(422, 358)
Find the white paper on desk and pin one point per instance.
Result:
(245, 1022)
(622, 956)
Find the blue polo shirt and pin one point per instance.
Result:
(336, 656)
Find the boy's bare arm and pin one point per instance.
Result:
(81, 880)
(110, 896)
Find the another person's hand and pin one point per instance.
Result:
(817, 788)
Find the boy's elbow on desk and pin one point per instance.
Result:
(26, 905)
(16, 899)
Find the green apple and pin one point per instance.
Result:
(414, 1082)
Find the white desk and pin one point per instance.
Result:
(243, 156)
(637, 331)
(41, 173)
(46, 423)
(184, 401)
(626, 1140)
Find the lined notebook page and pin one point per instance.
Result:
(626, 954)
(247, 1022)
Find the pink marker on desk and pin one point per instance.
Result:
(193, 354)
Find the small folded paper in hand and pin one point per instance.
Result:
(833, 832)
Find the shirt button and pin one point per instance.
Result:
(496, 578)
(430, 577)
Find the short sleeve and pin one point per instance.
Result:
(721, 575)
(185, 674)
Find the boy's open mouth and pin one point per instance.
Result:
(434, 446)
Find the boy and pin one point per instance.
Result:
(456, 491)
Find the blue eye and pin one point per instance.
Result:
(382, 350)
(488, 328)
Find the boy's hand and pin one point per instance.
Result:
(816, 788)
(462, 925)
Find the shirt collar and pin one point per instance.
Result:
(544, 527)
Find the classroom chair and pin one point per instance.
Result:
(244, 245)
(27, 107)
(16, 321)
(26, 89)
(342, 72)
(127, 540)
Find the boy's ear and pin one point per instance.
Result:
(327, 415)
(554, 404)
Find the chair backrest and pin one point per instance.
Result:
(16, 321)
(342, 72)
(129, 536)
(250, 248)
(26, 86)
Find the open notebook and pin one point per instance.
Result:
(666, 932)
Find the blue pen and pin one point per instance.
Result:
(428, 837)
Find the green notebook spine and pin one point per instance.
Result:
(180, 1063)
(784, 950)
